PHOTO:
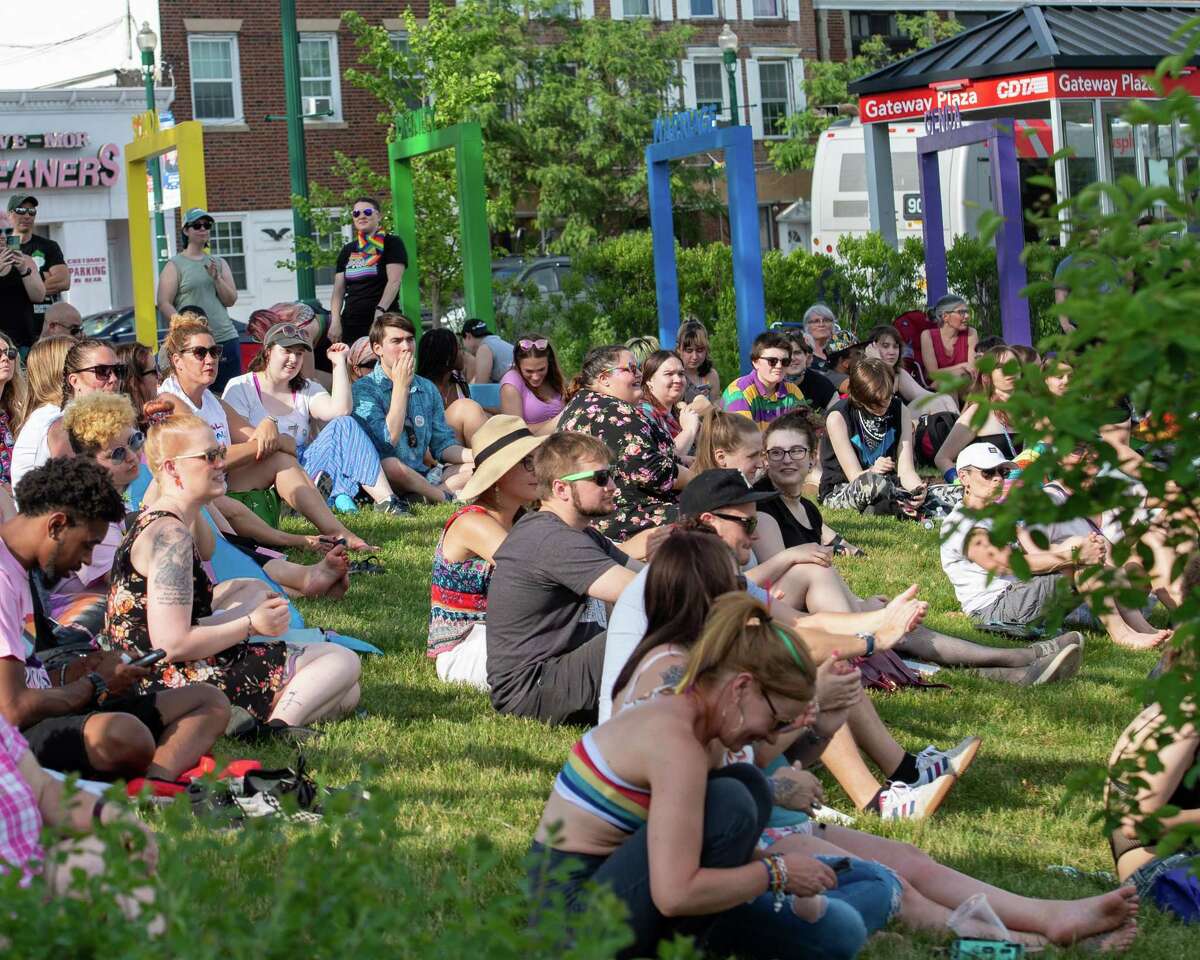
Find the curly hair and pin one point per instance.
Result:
(92, 421)
(76, 486)
(437, 355)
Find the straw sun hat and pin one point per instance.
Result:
(498, 446)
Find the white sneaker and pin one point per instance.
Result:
(933, 763)
(900, 801)
(824, 814)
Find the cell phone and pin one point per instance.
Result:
(840, 865)
(14, 241)
(986, 950)
(149, 659)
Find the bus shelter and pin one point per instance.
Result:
(1063, 72)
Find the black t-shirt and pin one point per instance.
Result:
(817, 388)
(366, 276)
(17, 316)
(871, 437)
(794, 533)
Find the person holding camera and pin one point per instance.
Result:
(31, 269)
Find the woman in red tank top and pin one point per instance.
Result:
(951, 347)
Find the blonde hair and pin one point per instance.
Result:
(723, 431)
(164, 439)
(14, 399)
(740, 637)
(183, 327)
(45, 365)
(93, 420)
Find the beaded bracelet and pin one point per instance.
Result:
(777, 878)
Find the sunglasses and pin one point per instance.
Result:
(105, 371)
(12, 353)
(25, 211)
(201, 225)
(749, 524)
(410, 434)
(779, 454)
(149, 372)
(69, 331)
(210, 456)
(286, 330)
(533, 344)
(780, 725)
(367, 364)
(630, 368)
(363, 212)
(774, 362)
(600, 477)
(992, 473)
(137, 440)
(201, 352)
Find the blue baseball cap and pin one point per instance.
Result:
(195, 214)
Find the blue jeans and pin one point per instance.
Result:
(736, 808)
(230, 365)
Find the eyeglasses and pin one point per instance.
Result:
(600, 477)
(410, 434)
(105, 371)
(749, 524)
(992, 473)
(961, 311)
(137, 440)
(780, 725)
(201, 352)
(12, 353)
(210, 456)
(774, 362)
(363, 212)
(533, 344)
(25, 211)
(779, 454)
(201, 225)
(630, 368)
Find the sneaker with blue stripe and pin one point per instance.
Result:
(903, 801)
(933, 763)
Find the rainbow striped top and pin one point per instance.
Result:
(749, 397)
(586, 781)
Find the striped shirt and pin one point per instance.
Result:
(587, 781)
(751, 398)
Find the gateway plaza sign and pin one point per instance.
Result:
(1024, 88)
(21, 172)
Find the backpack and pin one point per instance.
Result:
(932, 431)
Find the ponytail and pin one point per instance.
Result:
(722, 431)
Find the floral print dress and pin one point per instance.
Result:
(644, 463)
(6, 448)
(250, 674)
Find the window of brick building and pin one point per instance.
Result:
(704, 8)
(766, 9)
(216, 83)
(320, 90)
(635, 8)
(227, 242)
(775, 93)
(413, 99)
(710, 84)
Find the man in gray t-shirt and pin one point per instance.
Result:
(493, 356)
(546, 602)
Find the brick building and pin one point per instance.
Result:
(228, 73)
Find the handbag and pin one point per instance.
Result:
(885, 671)
(264, 503)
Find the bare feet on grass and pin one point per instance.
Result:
(1131, 639)
(1109, 913)
(325, 577)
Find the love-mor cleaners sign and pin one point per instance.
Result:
(19, 171)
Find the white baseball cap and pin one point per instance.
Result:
(983, 456)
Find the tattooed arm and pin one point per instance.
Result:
(165, 551)
(796, 789)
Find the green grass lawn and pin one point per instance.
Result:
(455, 768)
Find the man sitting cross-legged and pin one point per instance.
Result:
(91, 725)
(553, 577)
(982, 573)
(404, 416)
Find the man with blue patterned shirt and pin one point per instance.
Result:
(404, 416)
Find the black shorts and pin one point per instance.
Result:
(57, 742)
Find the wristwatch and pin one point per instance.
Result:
(100, 688)
(26, 273)
(869, 639)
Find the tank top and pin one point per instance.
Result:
(210, 409)
(693, 390)
(197, 288)
(1007, 443)
(458, 593)
(1184, 797)
(945, 359)
(794, 533)
(502, 355)
(590, 784)
(31, 448)
(871, 437)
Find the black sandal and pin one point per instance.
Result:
(369, 564)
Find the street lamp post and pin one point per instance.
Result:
(727, 40)
(147, 40)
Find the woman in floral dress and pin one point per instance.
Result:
(161, 598)
(647, 471)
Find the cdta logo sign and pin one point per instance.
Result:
(1023, 87)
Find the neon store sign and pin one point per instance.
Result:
(52, 172)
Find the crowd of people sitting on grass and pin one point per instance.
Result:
(636, 551)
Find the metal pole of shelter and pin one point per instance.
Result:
(153, 169)
(306, 287)
(880, 190)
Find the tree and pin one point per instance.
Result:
(827, 83)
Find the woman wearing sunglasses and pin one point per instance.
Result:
(361, 360)
(499, 490)
(194, 276)
(60, 372)
(14, 400)
(258, 456)
(367, 278)
(533, 388)
(329, 442)
(161, 598)
(607, 405)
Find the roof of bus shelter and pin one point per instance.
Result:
(1042, 36)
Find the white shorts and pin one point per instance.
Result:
(467, 662)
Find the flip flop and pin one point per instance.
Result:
(369, 564)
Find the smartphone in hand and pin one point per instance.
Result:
(149, 659)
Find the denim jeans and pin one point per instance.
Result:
(736, 809)
(230, 365)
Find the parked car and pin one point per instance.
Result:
(542, 277)
(116, 326)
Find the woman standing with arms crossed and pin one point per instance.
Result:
(367, 279)
(195, 277)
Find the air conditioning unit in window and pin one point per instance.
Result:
(319, 106)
